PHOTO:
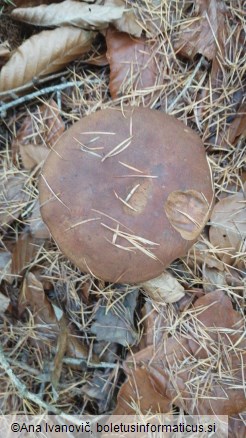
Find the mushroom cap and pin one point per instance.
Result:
(126, 191)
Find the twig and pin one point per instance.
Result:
(28, 97)
(25, 394)
(78, 362)
(22, 389)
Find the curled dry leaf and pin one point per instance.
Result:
(211, 382)
(133, 68)
(228, 227)
(204, 34)
(74, 13)
(32, 155)
(12, 197)
(187, 212)
(164, 289)
(44, 53)
(127, 22)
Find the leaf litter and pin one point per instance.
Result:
(185, 347)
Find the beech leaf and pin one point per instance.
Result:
(44, 53)
(183, 368)
(90, 16)
(132, 64)
(138, 394)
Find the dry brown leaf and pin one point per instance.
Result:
(237, 426)
(164, 289)
(32, 297)
(138, 394)
(203, 34)
(132, 64)
(187, 212)
(74, 13)
(228, 227)
(32, 155)
(44, 53)
(48, 324)
(236, 129)
(216, 342)
(24, 252)
(12, 197)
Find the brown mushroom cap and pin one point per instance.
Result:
(124, 192)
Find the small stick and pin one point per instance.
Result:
(28, 97)
(24, 393)
(76, 361)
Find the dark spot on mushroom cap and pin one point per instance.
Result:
(104, 186)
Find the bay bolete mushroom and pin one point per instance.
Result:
(126, 191)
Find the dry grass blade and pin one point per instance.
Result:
(45, 53)
(89, 16)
